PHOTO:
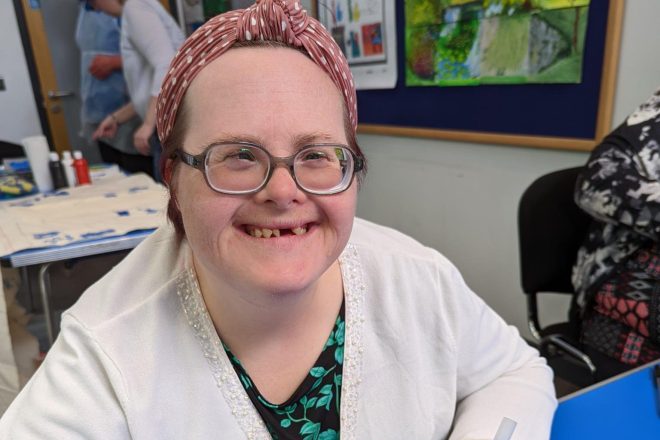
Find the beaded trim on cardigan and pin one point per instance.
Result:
(354, 296)
(226, 378)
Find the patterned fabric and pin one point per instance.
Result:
(624, 322)
(312, 412)
(617, 273)
(620, 188)
(273, 20)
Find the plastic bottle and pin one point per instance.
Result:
(56, 171)
(82, 169)
(67, 164)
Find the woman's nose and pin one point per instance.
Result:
(281, 189)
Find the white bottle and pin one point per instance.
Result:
(69, 171)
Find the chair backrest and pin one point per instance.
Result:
(551, 228)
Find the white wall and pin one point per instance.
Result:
(462, 198)
(19, 114)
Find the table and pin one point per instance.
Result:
(79, 222)
(44, 257)
(626, 406)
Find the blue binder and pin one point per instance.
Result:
(625, 407)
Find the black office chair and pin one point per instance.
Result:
(551, 228)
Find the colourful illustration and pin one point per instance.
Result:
(372, 39)
(354, 42)
(467, 42)
(357, 27)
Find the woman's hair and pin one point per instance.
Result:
(265, 24)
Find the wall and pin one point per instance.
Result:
(17, 103)
(462, 199)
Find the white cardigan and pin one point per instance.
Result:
(425, 358)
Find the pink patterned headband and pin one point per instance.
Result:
(275, 20)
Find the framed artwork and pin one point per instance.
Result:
(458, 43)
(529, 108)
(365, 31)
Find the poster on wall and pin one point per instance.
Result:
(467, 42)
(365, 30)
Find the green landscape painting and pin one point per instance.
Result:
(462, 42)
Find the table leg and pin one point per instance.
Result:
(44, 290)
(27, 287)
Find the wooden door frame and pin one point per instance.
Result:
(32, 69)
(40, 56)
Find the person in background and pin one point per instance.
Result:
(103, 91)
(149, 39)
(266, 309)
(617, 272)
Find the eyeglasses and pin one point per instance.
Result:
(245, 168)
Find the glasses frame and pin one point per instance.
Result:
(198, 161)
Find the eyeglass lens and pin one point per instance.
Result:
(242, 168)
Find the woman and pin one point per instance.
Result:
(266, 311)
(103, 90)
(149, 39)
(617, 273)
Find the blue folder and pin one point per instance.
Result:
(623, 408)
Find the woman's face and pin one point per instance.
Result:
(281, 100)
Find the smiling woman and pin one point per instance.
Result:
(266, 310)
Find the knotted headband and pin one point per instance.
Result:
(275, 20)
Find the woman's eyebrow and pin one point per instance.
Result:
(235, 138)
(298, 142)
(301, 141)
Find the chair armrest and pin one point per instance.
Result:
(559, 341)
(533, 317)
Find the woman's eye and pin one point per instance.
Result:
(314, 155)
(241, 155)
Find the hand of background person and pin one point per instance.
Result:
(107, 128)
(103, 65)
(141, 139)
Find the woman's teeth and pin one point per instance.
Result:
(267, 233)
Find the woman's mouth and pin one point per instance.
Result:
(268, 232)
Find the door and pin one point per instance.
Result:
(54, 98)
(51, 27)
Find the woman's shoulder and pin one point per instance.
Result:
(383, 241)
(142, 277)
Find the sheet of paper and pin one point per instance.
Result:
(111, 207)
(365, 31)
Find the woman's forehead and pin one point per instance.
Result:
(265, 92)
(251, 64)
(262, 77)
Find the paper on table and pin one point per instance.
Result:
(112, 207)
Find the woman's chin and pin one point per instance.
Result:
(281, 281)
